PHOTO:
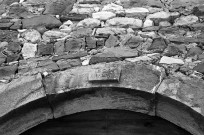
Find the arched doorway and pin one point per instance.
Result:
(107, 122)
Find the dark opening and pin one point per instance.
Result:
(107, 122)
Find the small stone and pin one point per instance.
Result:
(90, 42)
(124, 22)
(103, 57)
(158, 45)
(42, 20)
(185, 20)
(16, 25)
(47, 65)
(64, 64)
(110, 30)
(32, 36)
(74, 45)
(29, 50)
(103, 15)
(7, 71)
(136, 12)
(159, 15)
(89, 22)
(41, 29)
(8, 35)
(122, 52)
(14, 47)
(164, 24)
(148, 23)
(134, 41)
(82, 32)
(172, 51)
(194, 51)
(112, 7)
(59, 47)
(45, 49)
(54, 34)
(3, 45)
(73, 17)
(170, 60)
(13, 57)
(200, 68)
(112, 41)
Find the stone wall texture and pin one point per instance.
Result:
(59, 57)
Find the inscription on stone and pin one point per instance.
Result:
(105, 74)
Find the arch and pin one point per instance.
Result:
(31, 100)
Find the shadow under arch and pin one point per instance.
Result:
(98, 98)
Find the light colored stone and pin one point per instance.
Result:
(170, 60)
(185, 20)
(85, 8)
(31, 35)
(164, 24)
(55, 34)
(3, 44)
(124, 22)
(113, 7)
(151, 34)
(122, 52)
(103, 15)
(29, 50)
(89, 22)
(148, 23)
(136, 10)
(111, 30)
(159, 15)
(141, 58)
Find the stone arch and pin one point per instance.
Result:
(30, 100)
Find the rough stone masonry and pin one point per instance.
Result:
(54, 46)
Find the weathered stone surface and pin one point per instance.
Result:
(90, 42)
(186, 91)
(8, 35)
(159, 15)
(14, 47)
(111, 30)
(59, 47)
(89, 22)
(29, 50)
(45, 49)
(79, 78)
(124, 22)
(170, 60)
(200, 68)
(73, 17)
(7, 71)
(43, 20)
(74, 45)
(158, 45)
(185, 20)
(148, 23)
(65, 64)
(59, 7)
(122, 52)
(32, 36)
(112, 41)
(103, 15)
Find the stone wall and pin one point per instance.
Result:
(57, 54)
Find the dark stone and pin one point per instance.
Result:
(8, 71)
(14, 47)
(112, 41)
(59, 47)
(42, 20)
(90, 42)
(2, 58)
(82, 32)
(65, 64)
(73, 17)
(5, 20)
(104, 57)
(172, 51)
(45, 49)
(8, 35)
(19, 11)
(90, 2)
(48, 65)
(70, 56)
(41, 29)
(13, 57)
(182, 39)
(100, 42)
(3, 8)
(59, 7)
(134, 42)
(158, 44)
(194, 51)
(198, 11)
(199, 68)
(74, 45)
